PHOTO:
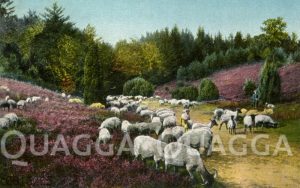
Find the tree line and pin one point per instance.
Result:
(50, 50)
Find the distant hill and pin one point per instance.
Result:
(230, 81)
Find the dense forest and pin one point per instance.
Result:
(49, 50)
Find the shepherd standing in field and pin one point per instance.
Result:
(185, 117)
(255, 98)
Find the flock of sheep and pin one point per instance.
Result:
(175, 145)
(171, 137)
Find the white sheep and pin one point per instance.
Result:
(111, 123)
(149, 127)
(140, 108)
(35, 99)
(249, 122)
(155, 119)
(265, 120)
(12, 103)
(63, 95)
(146, 146)
(178, 154)
(171, 134)
(161, 102)
(269, 105)
(29, 100)
(4, 123)
(104, 135)
(207, 126)
(227, 116)
(198, 138)
(12, 117)
(169, 121)
(146, 113)
(115, 110)
(47, 99)
(232, 125)
(123, 109)
(21, 104)
(124, 126)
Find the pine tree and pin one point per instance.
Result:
(6, 8)
(93, 76)
(269, 87)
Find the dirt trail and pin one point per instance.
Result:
(249, 170)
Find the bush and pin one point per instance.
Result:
(249, 87)
(138, 86)
(208, 90)
(188, 92)
(197, 70)
(182, 73)
(270, 84)
(97, 105)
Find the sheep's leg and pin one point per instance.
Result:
(245, 129)
(166, 166)
(220, 125)
(174, 169)
(189, 169)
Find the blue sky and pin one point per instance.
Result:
(124, 19)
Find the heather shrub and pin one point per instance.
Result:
(188, 92)
(249, 87)
(138, 86)
(208, 90)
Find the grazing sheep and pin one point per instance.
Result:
(12, 117)
(155, 119)
(218, 113)
(115, 103)
(47, 99)
(146, 113)
(227, 116)
(249, 122)
(29, 100)
(169, 121)
(232, 125)
(111, 123)
(171, 134)
(123, 109)
(178, 154)
(4, 104)
(269, 105)
(149, 127)
(35, 99)
(124, 126)
(198, 138)
(161, 102)
(167, 136)
(4, 123)
(63, 95)
(140, 108)
(12, 103)
(21, 104)
(115, 110)
(165, 115)
(265, 120)
(146, 146)
(208, 126)
(104, 135)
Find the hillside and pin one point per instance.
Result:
(230, 82)
(58, 116)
